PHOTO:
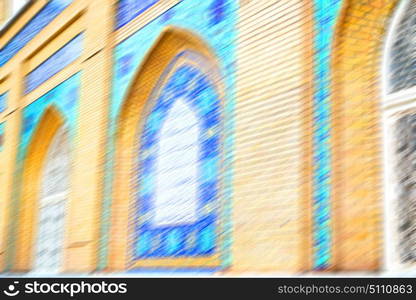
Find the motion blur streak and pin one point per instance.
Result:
(207, 137)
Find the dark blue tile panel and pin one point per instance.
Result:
(49, 12)
(55, 63)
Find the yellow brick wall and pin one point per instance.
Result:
(81, 242)
(357, 194)
(271, 206)
(7, 157)
(272, 172)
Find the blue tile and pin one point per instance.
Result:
(127, 10)
(3, 102)
(208, 162)
(55, 63)
(48, 13)
(326, 13)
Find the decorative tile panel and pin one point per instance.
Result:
(55, 63)
(326, 12)
(46, 15)
(63, 97)
(3, 102)
(127, 10)
(214, 22)
(179, 169)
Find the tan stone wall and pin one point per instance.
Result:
(89, 147)
(88, 172)
(271, 206)
(7, 157)
(357, 194)
(272, 171)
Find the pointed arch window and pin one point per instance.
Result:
(179, 168)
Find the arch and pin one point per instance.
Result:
(172, 42)
(49, 245)
(51, 121)
(356, 122)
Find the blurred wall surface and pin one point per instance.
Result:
(217, 136)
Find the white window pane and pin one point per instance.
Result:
(176, 195)
(50, 235)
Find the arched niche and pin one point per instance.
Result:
(174, 48)
(33, 187)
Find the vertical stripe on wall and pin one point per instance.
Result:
(2, 126)
(127, 10)
(326, 12)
